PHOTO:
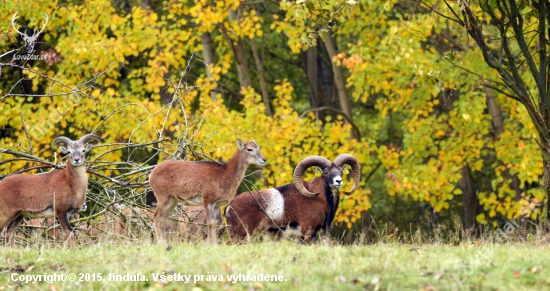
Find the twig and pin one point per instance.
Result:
(328, 108)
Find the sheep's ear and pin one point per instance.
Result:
(63, 150)
(240, 144)
(89, 147)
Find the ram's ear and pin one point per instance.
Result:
(63, 150)
(89, 147)
(240, 144)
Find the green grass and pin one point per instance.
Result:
(513, 266)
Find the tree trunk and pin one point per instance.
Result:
(469, 201)
(312, 71)
(237, 47)
(468, 198)
(263, 85)
(165, 96)
(498, 128)
(325, 86)
(446, 100)
(209, 58)
(339, 79)
(546, 180)
(494, 110)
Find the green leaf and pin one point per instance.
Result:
(310, 7)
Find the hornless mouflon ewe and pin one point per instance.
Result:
(58, 193)
(208, 184)
(296, 206)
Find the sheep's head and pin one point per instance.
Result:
(76, 148)
(332, 172)
(250, 151)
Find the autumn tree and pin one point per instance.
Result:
(439, 144)
(513, 39)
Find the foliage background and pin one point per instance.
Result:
(424, 124)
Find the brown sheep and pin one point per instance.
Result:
(207, 184)
(58, 193)
(296, 206)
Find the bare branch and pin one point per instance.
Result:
(327, 108)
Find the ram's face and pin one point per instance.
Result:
(76, 152)
(333, 176)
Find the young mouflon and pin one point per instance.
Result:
(208, 184)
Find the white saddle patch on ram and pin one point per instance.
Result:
(275, 204)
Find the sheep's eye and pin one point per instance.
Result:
(250, 150)
(83, 150)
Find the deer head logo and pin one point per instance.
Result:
(29, 40)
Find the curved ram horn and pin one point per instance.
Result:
(86, 138)
(302, 167)
(347, 159)
(62, 139)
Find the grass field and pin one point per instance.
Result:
(382, 266)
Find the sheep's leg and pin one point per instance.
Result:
(307, 239)
(211, 212)
(162, 213)
(3, 223)
(326, 233)
(309, 233)
(63, 218)
(12, 226)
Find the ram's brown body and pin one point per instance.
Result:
(307, 215)
(306, 207)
